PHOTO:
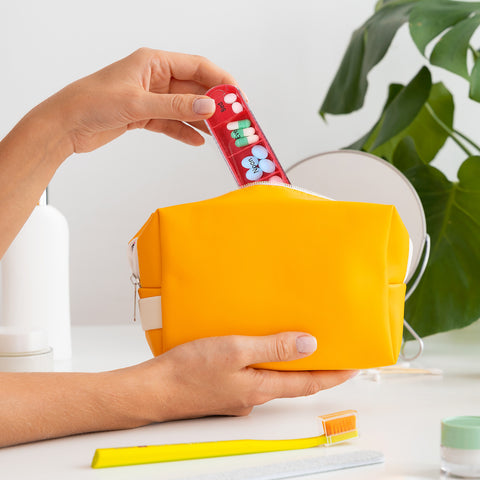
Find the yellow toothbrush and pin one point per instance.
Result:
(337, 427)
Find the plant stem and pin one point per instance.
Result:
(447, 129)
(470, 141)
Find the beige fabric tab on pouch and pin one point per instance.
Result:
(150, 309)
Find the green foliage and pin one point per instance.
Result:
(414, 124)
(367, 47)
(432, 17)
(404, 107)
(451, 51)
(445, 298)
(433, 104)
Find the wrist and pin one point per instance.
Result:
(143, 393)
(47, 128)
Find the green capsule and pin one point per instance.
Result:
(244, 124)
(241, 142)
(238, 125)
(244, 132)
(244, 141)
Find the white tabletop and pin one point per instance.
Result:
(398, 415)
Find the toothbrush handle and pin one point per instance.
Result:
(116, 457)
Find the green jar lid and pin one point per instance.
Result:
(461, 432)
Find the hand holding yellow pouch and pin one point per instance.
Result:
(269, 258)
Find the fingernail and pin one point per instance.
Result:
(306, 344)
(204, 106)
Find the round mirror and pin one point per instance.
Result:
(350, 175)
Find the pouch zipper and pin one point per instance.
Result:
(135, 276)
(287, 185)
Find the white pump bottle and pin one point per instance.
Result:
(35, 278)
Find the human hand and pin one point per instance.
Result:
(212, 376)
(150, 89)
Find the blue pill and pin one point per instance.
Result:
(249, 162)
(254, 173)
(259, 152)
(266, 165)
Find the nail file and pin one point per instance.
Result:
(296, 468)
(241, 140)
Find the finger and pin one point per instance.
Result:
(196, 68)
(179, 86)
(185, 86)
(281, 347)
(183, 107)
(200, 126)
(273, 384)
(176, 130)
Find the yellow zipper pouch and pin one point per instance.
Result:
(266, 259)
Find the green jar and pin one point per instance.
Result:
(460, 446)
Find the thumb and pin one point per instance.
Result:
(280, 347)
(176, 106)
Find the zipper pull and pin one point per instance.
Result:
(135, 282)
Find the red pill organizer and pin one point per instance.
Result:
(241, 140)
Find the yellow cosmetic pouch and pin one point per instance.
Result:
(266, 259)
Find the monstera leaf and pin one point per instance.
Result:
(430, 18)
(448, 296)
(419, 110)
(367, 47)
(427, 20)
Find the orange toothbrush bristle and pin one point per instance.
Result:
(339, 426)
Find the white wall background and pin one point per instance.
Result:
(283, 54)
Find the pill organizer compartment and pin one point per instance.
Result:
(231, 107)
(244, 163)
(223, 111)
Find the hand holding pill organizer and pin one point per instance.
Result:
(333, 269)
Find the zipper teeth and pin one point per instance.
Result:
(287, 185)
(134, 257)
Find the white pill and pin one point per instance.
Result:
(266, 165)
(254, 174)
(276, 180)
(259, 152)
(230, 98)
(237, 107)
(249, 162)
